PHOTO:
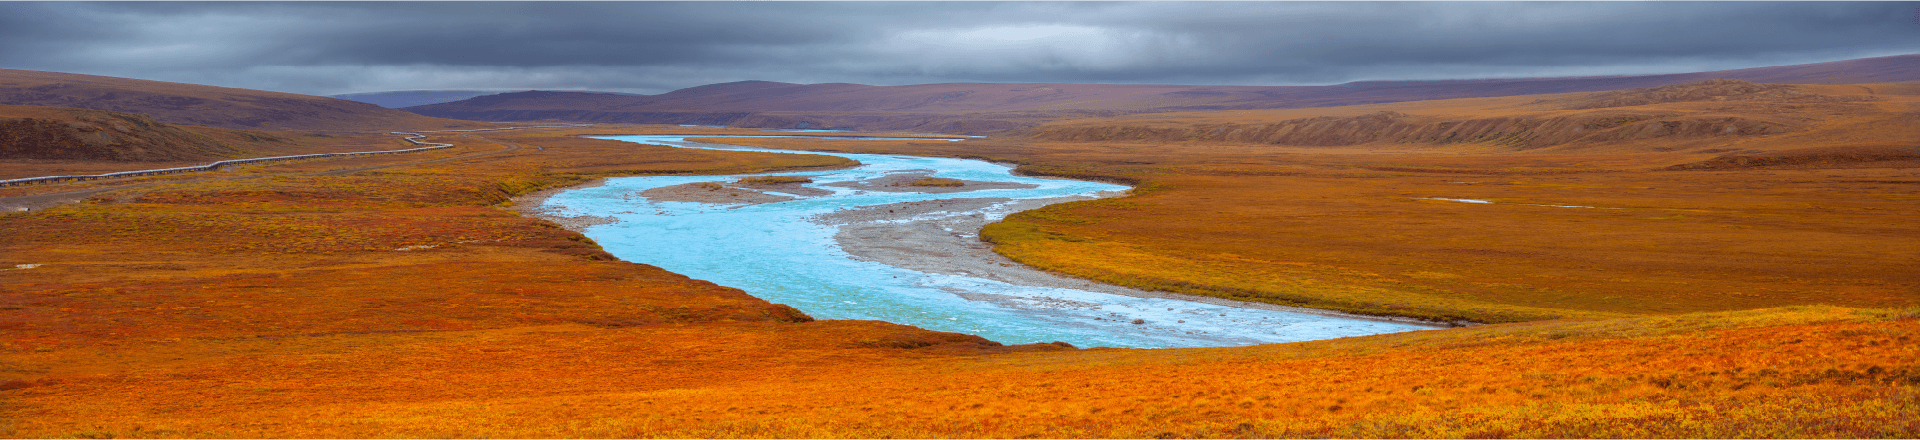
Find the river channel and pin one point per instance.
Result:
(786, 252)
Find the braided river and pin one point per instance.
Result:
(786, 252)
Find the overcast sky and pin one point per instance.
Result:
(654, 47)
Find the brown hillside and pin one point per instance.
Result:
(41, 141)
(190, 104)
(98, 140)
(52, 133)
(1681, 117)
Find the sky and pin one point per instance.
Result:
(653, 47)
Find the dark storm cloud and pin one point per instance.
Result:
(653, 47)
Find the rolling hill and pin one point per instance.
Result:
(978, 108)
(40, 141)
(1678, 117)
(409, 98)
(190, 104)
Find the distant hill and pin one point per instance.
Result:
(965, 108)
(409, 98)
(1735, 123)
(210, 106)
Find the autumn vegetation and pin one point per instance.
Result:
(1650, 274)
(1592, 223)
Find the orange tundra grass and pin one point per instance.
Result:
(404, 302)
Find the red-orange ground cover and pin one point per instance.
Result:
(406, 302)
(1810, 372)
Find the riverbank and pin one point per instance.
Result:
(534, 204)
(943, 237)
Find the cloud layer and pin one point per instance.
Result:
(653, 47)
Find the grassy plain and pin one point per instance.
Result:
(396, 297)
(1583, 220)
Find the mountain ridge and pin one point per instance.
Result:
(870, 107)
